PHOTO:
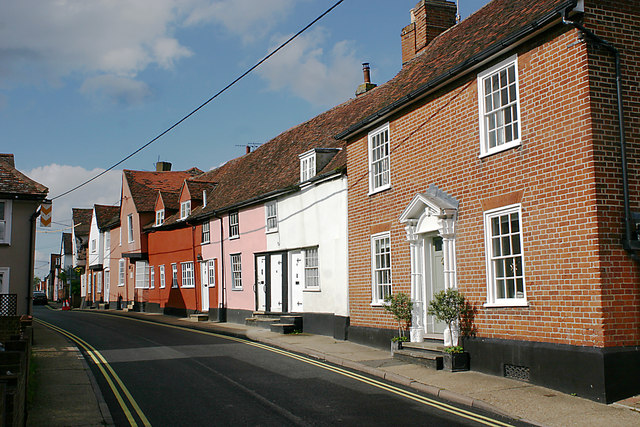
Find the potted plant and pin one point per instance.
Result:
(400, 306)
(448, 306)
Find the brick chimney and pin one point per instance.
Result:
(429, 18)
(367, 85)
(163, 167)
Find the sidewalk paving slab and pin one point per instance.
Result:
(519, 400)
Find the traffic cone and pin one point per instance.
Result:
(65, 305)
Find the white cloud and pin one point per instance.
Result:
(310, 72)
(249, 19)
(45, 40)
(121, 90)
(60, 178)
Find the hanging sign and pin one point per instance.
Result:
(45, 213)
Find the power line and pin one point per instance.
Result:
(220, 92)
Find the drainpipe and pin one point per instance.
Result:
(199, 267)
(223, 289)
(32, 255)
(628, 242)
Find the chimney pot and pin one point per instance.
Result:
(367, 72)
(429, 18)
(163, 167)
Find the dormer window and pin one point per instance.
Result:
(307, 165)
(159, 217)
(185, 209)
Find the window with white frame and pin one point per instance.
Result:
(211, 267)
(311, 276)
(187, 275)
(94, 246)
(5, 221)
(162, 276)
(307, 165)
(4, 280)
(505, 261)
(159, 217)
(142, 275)
(174, 275)
(121, 272)
(206, 235)
(204, 198)
(379, 169)
(236, 272)
(152, 277)
(381, 266)
(99, 282)
(185, 209)
(499, 110)
(271, 209)
(107, 284)
(234, 225)
(130, 227)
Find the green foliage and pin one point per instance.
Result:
(400, 339)
(75, 287)
(400, 306)
(448, 306)
(454, 349)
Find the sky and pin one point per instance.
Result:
(85, 83)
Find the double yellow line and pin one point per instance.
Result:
(115, 384)
(481, 419)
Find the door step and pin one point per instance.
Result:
(201, 317)
(283, 324)
(427, 353)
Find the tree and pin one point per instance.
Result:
(400, 305)
(447, 306)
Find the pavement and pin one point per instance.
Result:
(74, 399)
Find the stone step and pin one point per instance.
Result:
(430, 346)
(423, 358)
(261, 322)
(295, 320)
(199, 317)
(283, 328)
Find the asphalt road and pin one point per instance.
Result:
(179, 378)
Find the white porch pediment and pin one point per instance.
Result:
(426, 209)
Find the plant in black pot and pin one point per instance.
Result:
(448, 306)
(400, 306)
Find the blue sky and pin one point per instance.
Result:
(83, 84)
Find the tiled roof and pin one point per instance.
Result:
(274, 166)
(67, 245)
(15, 183)
(144, 185)
(170, 200)
(82, 221)
(455, 51)
(107, 216)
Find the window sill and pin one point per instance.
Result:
(236, 289)
(379, 190)
(500, 149)
(121, 285)
(234, 237)
(380, 304)
(188, 287)
(275, 230)
(205, 243)
(312, 290)
(506, 304)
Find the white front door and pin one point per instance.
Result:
(204, 286)
(297, 281)
(276, 283)
(434, 279)
(261, 283)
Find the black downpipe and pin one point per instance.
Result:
(32, 255)
(222, 306)
(628, 242)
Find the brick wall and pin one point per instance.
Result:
(617, 23)
(567, 274)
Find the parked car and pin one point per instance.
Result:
(39, 298)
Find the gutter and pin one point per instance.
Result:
(628, 243)
(465, 66)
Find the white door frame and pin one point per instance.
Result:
(204, 286)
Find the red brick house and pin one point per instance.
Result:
(495, 163)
